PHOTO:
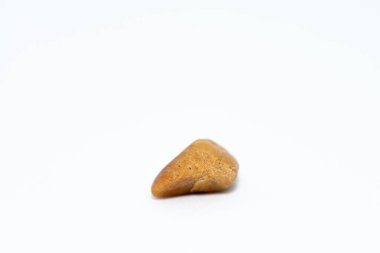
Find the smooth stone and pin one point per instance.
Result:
(204, 166)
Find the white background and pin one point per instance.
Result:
(96, 97)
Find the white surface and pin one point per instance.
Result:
(97, 97)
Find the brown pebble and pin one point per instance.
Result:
(204, 166)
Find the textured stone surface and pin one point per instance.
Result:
(204, 166)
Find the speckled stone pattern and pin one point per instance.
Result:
(204, 166)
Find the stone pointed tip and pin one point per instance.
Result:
(156, 193)
(157, 190)
(204, 166)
